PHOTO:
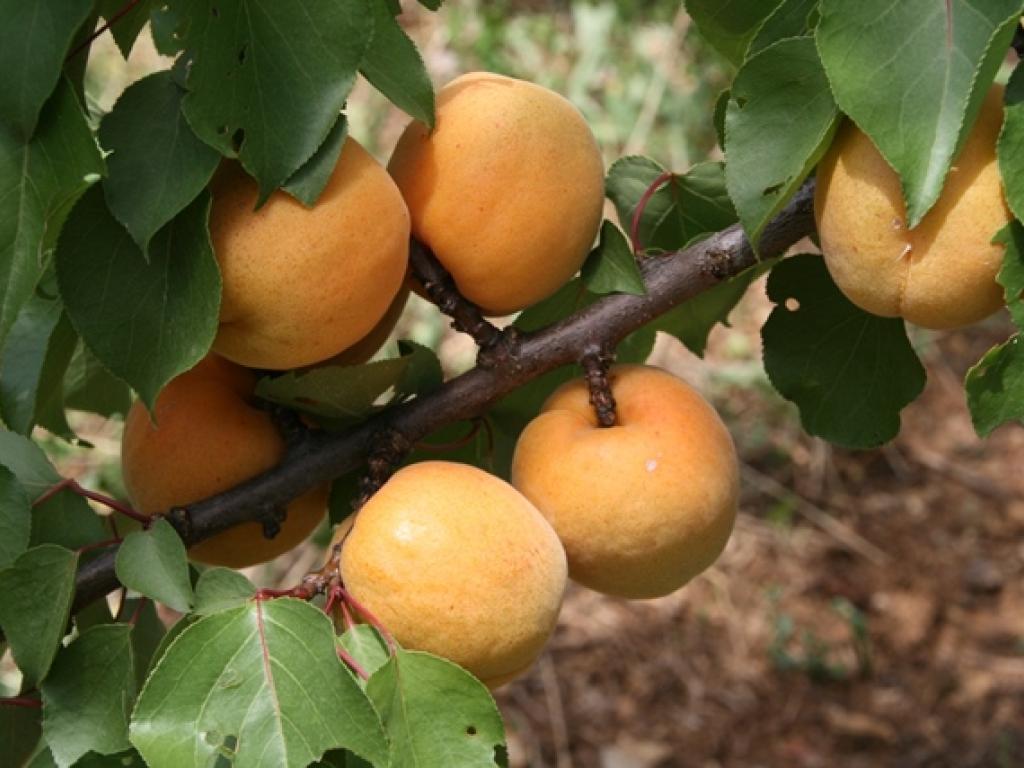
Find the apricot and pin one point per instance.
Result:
(942, 273)
(301, 284)
(456, 562)
(507, 190)
(643, 506)
(206, 436)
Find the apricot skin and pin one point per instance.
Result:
(208, 438)
(304, 284)
(641, 507)
(942, 273)
(456, 562)
(507, 190)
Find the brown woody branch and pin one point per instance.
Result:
(317, 458)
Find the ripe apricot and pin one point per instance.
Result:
(456, 562)
(643, 506)
(942, 273)
(208, 437)
(304, 284)
(507, 190)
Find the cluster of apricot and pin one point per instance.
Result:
(507, 191)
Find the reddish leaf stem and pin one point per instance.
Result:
(21, 701)
(370, 619)
(98, 545)
(103, 28)
(107, 501)
(354, 665)
(641, 206)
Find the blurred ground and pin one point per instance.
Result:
(869, 610)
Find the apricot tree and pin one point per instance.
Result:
(220, 207)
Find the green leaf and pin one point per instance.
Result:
(123, 305)
(342, 395)
(260, 684)
(466, 730)
(1010, 147)
(685, 208)
(611, 267)
(267, 80)
(730, 25)
(718, 118)
(147, 634)
(128, 26)
(35, 602)
(157, 166)
(307, 183)
(15, 518)
(65, 519)
(913, 75)
(849, 373)
(50, 395)
(995, 384)
(88, 693)
(366, 646)
(1011, 273)
(20, 729)
(790, 19)
(395, 68)
(219, 589)
(39, 181)
(995, 387)
(154, 563)
(692, 321)
(34, 39)
(90, 387)
(23, 358)
(780, 120)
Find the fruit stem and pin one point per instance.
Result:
(641, 206)
(107, 501)
(103, 28)
(370, 619)
(20, 701)
(596, 362)
(497, 346)
(354, 665)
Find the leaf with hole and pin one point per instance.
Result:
(261, 683)
(466, 731)
(849, 373)
(267, 80)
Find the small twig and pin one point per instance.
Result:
(496, 345)
(125, 9)
(641, 206)
(139, 605)
(107, 501)
(98, 545)
(20, 701)
(388, 449)
(288, 424)
(595, 364)
(354, 665)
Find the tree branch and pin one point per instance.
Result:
(317, 458)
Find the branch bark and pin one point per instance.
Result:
(318, 458)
